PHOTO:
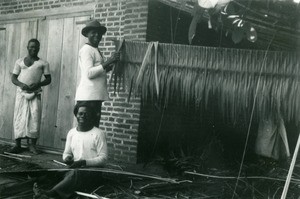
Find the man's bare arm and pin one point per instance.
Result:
(15, 81)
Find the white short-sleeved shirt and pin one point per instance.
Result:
(91, 87)
(33, 73)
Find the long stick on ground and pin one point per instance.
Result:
(289, 176)
(296, 181)
(111, 171)
(17, 155)
(7, 156)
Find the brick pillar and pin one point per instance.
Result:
(120, 119)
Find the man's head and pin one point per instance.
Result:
(94, 37)
(93, 31)
(33, 47)
(85, 114)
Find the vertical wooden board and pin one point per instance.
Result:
(42, 36)
(13, 33)
(81, 40)
(2, 77)
(24, 27)
(28, 30)
(51, 92)
(67, 84)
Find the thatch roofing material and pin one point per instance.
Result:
(226, 79)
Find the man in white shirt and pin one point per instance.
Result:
(27, 75)
(85, 147)
(92, 88)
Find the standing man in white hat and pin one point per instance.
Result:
(92, 88)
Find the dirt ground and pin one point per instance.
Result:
(261, 179)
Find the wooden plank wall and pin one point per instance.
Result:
(13, 32)
(67, 83)
(2, 74)
(60, 40)
(50, 96)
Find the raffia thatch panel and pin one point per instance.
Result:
(234, 79)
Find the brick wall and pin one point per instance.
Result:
(120, 119)
(123, 19)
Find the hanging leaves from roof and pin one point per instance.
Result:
(226, 79)
(198, 12)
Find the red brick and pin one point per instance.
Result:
(116, 141)
(107, 103)
(123, 126)
(127, 105)
(120, 120)
(132, 143)
(121, 147)
(109, 134)
(117, 130)
(132, 122)
(120, 100)
(122, 115)
(122, 136)
(107, 124)
(103, 113)
(133, 137)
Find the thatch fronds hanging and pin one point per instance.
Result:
(199, 76)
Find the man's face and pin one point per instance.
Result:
(84, 116)
(94, 37)
(33, 49)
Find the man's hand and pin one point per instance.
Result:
(34, 86)
(25, 87)
(79, 163)
(108, 65)
(109, 68)
(114, 58)
(69, 160)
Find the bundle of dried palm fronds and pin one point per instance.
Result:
(220, 78)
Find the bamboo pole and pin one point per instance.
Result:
(289, 176)
(86, 195)
(7, 156)
(61, 163)
(296, 181)
(110, 171)
(17, 155)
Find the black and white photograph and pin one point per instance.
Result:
(149, 99)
